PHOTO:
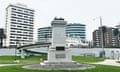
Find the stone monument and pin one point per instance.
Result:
(59, 56)
(58, 52)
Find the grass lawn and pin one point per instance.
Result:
(27, 60)
(36, 59)
(6, 59)
(82, 59)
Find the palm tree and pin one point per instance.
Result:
(116, 34)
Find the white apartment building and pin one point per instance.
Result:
(19, 25)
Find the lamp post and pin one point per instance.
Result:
(102, 45)
(101, 30)
(16, 48)
(17, 45)
(101, 33)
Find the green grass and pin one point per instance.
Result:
(31, 60)
(36, 59)
(27, 60)
(86, 59)
(7, 59)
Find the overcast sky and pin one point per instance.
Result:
(74, 11)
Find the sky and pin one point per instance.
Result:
(73, 11)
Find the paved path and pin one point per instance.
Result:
(7, 64)
(108, 62)
(105, 62)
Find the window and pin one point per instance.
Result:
(24, 37)
(30, 33)
(31, 22)
(25, 32)
(31, 18)
(12, 37)
(24, 27)
(25, 22)
(12, 31)
(19, 26)
(30, 38)
(19, 37)
(12, 43)
(19, 20)
(13, 20)
(13, 25)
(30, 28)
(31, 12)
(14, 14)
(18, 31)
(25, 16)
(26, 11)
(13, 9)
(19, 15)
(19, 10)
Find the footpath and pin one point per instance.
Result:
(108, 62)
(7, 64)
(105, 62)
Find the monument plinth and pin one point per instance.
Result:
(59, 56)
(58, 52)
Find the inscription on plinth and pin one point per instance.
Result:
(59, 56)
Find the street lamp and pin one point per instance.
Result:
(17, 45)
(16, 48)
(101, 30)
(101, 33)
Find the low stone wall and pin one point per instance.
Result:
(109, 52)
(8, 51)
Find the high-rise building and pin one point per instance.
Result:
(72, 30)
(19, 25)
(76, 30)
(108, 39)
(44, 34)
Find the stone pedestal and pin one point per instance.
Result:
(58, 52)
(59, 56)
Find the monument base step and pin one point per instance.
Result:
(59, 63)
(59, 66)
